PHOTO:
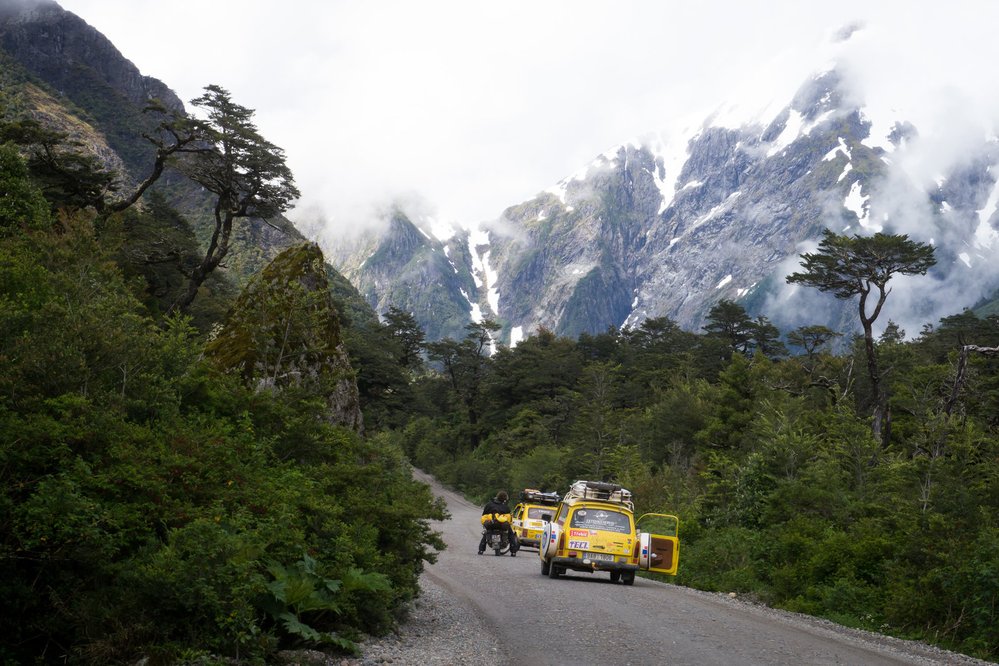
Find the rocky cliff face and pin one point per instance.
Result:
(406, 267)
(284, 332)
(621, 241)
(648, 230)
(59, 47)
(68, 76)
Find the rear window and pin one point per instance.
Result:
(601, 519)
(536, 512)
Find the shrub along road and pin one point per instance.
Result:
(585, 619)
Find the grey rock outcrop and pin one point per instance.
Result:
(284, 332)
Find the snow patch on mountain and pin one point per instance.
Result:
(710, 215)
(483, 273)
(841, 148)
(883, 127)
(856, 202)
(846, 170)
(672, 149)
(985, 214)
(475, 311)
(794, 128)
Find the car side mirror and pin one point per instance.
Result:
(547, 517)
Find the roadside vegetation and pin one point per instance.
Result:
(157, 503)
(767, 451)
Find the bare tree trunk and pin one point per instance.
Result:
(218, 248)
(962, 373)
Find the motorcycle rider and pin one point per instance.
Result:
(498, 507)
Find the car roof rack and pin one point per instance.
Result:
(537, 497)
(602, 491)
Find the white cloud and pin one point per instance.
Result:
(479, 105)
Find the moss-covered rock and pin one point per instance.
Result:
(284, 333)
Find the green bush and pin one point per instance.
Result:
(150, 504)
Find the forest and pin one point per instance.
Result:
(168, 492)
(765, 450)
(180, 481)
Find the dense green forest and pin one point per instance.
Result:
(182, 484)
(764, 449)
(170, 489)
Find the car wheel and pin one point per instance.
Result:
(545, 567)
(615, 576)
(628, 578)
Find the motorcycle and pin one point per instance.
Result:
(498, 539)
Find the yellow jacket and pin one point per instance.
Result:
(496, 517)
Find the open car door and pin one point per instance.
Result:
(659, 543)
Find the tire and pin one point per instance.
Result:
(628, 578)
(545, 567)
(554, 571)
(615, 576)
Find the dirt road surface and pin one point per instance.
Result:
(585, 619)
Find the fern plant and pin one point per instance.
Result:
(300, 598)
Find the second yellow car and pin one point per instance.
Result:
(527, 522)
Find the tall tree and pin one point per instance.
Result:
(465, 364)
(862, 266)
(246, 173)
(729, 321)
(70, 176)
(402, 328)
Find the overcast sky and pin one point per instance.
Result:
(477, 105)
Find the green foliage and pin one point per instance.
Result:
(22, 205)
(246, 175)
(784, 492)
(148, 500)
(299, 596)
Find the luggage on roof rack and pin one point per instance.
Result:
(537, 497)
(600, 490)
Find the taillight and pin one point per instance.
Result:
(634, 555)
(561, 541)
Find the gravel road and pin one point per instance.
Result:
(500, 610)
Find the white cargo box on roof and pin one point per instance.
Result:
(602, 491)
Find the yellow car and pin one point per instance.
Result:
(527, 522)
(594, 529)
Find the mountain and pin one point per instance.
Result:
(670, 225)
(405, 266)
(58, 70)
(62, 72)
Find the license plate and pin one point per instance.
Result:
(603, 557)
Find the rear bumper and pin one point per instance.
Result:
(577, 564)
